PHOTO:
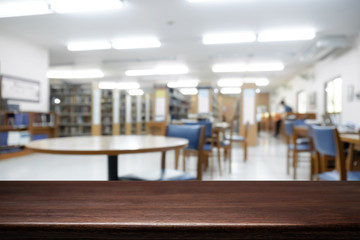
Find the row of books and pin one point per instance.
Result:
(18, 120)
(14, 138)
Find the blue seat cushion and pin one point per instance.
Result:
(160, 175)
(235, 138)
(207, 147)
(225, 143)
(302, 147)
(334, 176)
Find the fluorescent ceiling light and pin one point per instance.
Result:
(230, 82)
(183, 84)
(164, 70)
(286, 35)
(85, 46)
(265, 67)
(229, 38)
(230, 90)
(254, 67)
(136, 92)
(71, 6)
(75, 74)
(202, 1)
(136, 43)
(189, 91)
(118, 85)
(128, 85)
(23, 8)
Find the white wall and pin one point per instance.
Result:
(23, 59)
(346, 66)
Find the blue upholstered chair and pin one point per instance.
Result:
(241, 139)
(315, 159)
(208, 143)
(327, 143)
(195, 135)
(295, 145)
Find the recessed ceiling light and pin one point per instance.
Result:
(71, 6)
(253, 67)
(230, 90)
(229, 38)
(133, 43)
(136, 92)
(75, 74)
(286, 35)
(162, 70)
(86, 46)
(258, 90)
(183, 84)
(118, 85)
(189, 91)
(23, 8)
(230, 82)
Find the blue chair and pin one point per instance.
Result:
(315, 159)
(195, 136)
(241, 139)
(294, 145)
(208, 144)
(327, 143)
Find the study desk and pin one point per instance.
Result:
(111, 146)
(179, 210)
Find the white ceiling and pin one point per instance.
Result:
(179, 25)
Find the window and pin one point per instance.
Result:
(301, 102)
(333, 96)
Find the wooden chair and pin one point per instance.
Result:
(327, 142)
(227, 146)
(294, 146)
(242, 140)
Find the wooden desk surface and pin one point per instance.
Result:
(180, 210)
(350, 138)
(109, 145)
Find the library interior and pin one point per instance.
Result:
(96, 95)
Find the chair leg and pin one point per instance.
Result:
(245, 151)
(295, 156)
(288, 161)
(177, 153)
(312, 167)
(230, 160)
(184, 160)
(219, 163)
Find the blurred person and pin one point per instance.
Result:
(278, 116)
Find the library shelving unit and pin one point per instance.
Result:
(72, 102)
(206, 104)
(18, 128)
(170, 104)
(106, 112)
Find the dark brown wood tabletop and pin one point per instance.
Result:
(179, 210)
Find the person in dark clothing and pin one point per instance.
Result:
(278, 120)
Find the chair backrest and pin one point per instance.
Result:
(299, 122)
(324, 140)
(311, 130)
(208, 127)
(327, 142)
(189, 132)
(288, 128)
(156, 128)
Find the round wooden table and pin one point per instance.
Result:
(111, 146)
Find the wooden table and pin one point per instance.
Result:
(179, 210)
(109, 145)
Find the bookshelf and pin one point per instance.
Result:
(18, 128)
(106, 112)
(72, 103)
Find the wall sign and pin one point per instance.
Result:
(14, 88)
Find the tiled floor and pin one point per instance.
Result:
(265, 162)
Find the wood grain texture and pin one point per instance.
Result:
(109, 145)
(179, 210)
